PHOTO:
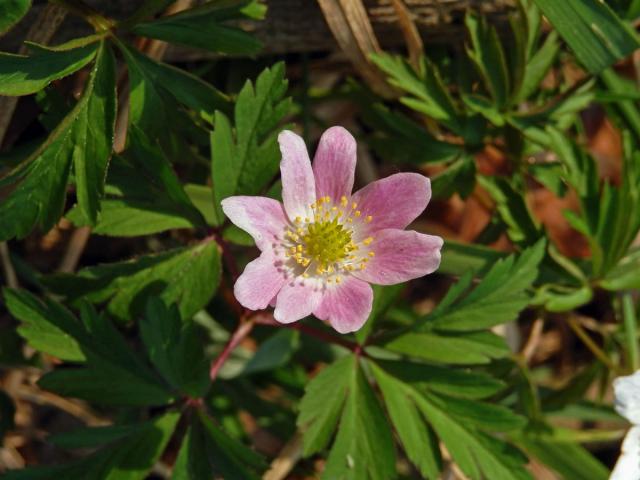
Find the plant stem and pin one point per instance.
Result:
(244, 328)
(267, 319)
(590, 344)
(631, 329)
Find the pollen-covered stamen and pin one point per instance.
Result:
(325, 247)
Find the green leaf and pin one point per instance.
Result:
(174, 348)
(229, 458)
(489, 58)
(417, 439)
(84, 136)
(458, 258)
(22, 75)
(92, 437)
(363, 448)
(397, 136)
(477, 454)
(93, 134)
(484, 106)
(188, 276)
(107, 357)
(192, 462)
(246, 158)
(383, 298)
(512, 207)
(275, 352)
(11, 12)
(45, 324)
(498, 298)
(144, 195)
(322, 404)
(428, 93)
(463, 383)
(568, 459)
(594, 32)
(459, 177)
(538, 66)
(468, 348)
(131, 458)
(204, 28)
(152, 80)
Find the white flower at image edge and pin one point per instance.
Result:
(627, 403)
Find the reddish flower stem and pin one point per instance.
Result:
(238, 336)
(265, 318)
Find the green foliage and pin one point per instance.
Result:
(11, 12)
(188, 276)
(22, 75)
(203, 28)
(594, 32)
(84, 138)
(245, 158)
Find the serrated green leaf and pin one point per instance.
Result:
(458, 382)
(322, 404)
(188, 276)
(428, 92)
(418, 440)
(45, 324)
(275, 352)
(363, 448)
(144, 195)
(203, 27)
(38, 197)
(93, 134)
(568, 459)
(228, 457)
(107, 357)
(398, 137)
(488, 55)
(512, 207)
(498, 298)
(468, 348)
(11, 12)
(244, 159)
(192, 462)
(477, 454)
(92, 437)
(152, 79)
(538, 66)
(22, 75)
(593, 31)
(174, 348)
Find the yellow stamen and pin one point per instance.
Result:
(369, 218)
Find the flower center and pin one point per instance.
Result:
(326, 247)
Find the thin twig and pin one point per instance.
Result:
(590, 344)
(534, 340)
(7, 267)
(243, 330)
(286, 460)
(75, 248)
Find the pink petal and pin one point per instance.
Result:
(395, 201)
(262, 218)
(298, 184)
(334, 163)
(296, 301)
(400, 256)
(259, 283)
(347, 305)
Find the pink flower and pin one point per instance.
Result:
(322, 248)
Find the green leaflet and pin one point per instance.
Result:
(11, 12)
(38, 198)
(204, 28)
(593, 31)
(188, 276)
(245, 158)
(22, 75)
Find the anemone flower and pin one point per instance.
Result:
(323, 246)
(627, 403)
